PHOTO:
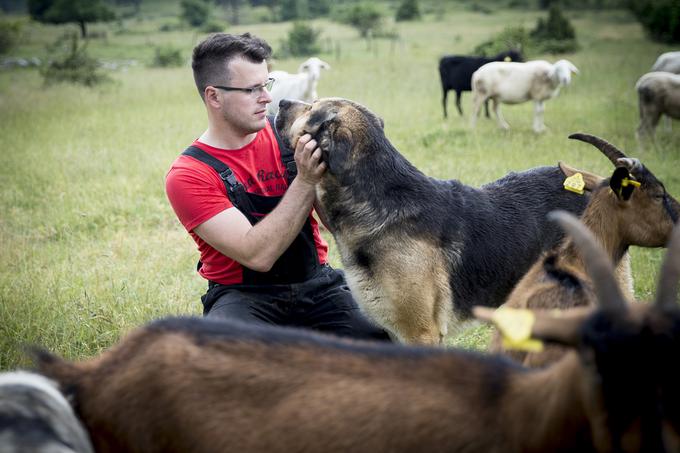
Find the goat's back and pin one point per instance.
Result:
(202, 385)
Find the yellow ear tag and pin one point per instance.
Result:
(575, 183)
(515, 327)
(625, 182)
(507, 59)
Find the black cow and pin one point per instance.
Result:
(456, 73)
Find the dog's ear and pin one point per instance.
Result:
(335, 144)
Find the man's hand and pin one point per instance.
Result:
(308, 160)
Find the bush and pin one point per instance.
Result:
(195, 12)
(660, 18)
(302, 41)
(167, 56)
(10, 31)
(213, 26)
(365, 17)
(408, 10)
(72, 63)
(555, 34)
(509, 38)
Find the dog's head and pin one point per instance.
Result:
(340, 127)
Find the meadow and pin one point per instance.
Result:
(90, 246)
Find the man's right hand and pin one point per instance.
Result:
(308, 160)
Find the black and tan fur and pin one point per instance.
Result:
(417, 250)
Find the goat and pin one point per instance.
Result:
(514, 83)
(455, 72)
(203, 385)
(620, 213)
(35, 417)
(300, 86)
(667, 62)
(658, 94)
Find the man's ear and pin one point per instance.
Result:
(591, 180)
(622, 183)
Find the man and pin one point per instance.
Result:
(260, 246)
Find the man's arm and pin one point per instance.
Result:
(259, 246)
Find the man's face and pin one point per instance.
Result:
(246, 111)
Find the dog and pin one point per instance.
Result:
(418, 251)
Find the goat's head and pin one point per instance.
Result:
(562, 69)
(313, 67)
(646, 213)
(628, 353)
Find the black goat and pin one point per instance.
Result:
(456, 71)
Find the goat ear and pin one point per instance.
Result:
(591, 180)
(622, 183)
(563, 328)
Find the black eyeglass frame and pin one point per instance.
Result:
(268, 85)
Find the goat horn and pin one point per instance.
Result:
(597, 263)
(632, 164)
(667, 292)
(609, 150)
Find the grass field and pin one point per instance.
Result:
(90, 246)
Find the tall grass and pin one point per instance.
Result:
(90, 246)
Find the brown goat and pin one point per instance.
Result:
(199, 385)
(619, 214)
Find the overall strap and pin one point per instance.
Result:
(287, 154)
(235, 190)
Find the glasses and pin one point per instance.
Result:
(255, 91)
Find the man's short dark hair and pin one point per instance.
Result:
(211, 56)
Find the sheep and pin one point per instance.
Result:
(658, 94)
(300, 86)
(514, 83)
(455, 72)
(667, 62)
(620, 214)
(203, 385)
(35, 417)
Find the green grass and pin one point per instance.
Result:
(90, 246)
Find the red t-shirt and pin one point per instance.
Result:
(197, 194)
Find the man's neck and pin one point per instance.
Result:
(225, 138)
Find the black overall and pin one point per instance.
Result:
(297, 290)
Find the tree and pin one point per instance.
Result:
(81, 12)
(408, 10)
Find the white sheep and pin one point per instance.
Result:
(668, 62)
(300, 86)
(658, 94)
(514, 83)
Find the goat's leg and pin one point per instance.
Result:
(499, 117)
(486, 108)
(445, 98)
(458, 95)
(539, 125)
